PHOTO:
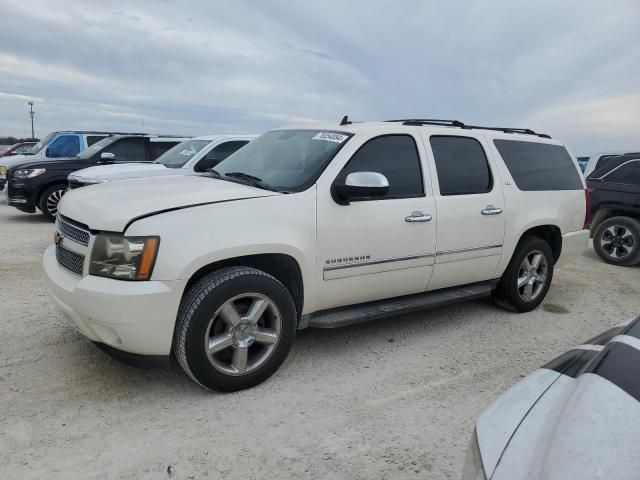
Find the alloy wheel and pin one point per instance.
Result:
(52, 201)
(243, 334)
(617, 241)
(532, 275)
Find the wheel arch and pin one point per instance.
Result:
(549, 233)
(283, 267)
(608, 211)
(48, 184)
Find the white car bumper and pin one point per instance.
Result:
(134, 317)
(573, 244)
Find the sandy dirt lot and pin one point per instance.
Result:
(393, 399)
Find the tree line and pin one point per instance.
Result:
(12, 140)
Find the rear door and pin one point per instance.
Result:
(470, 205)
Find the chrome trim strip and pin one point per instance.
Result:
(404, 259)
(377, 262)
(617, 168)
(465, 250)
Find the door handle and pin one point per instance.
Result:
(418, 217)
(491, 210)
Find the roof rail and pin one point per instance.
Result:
(459, 124)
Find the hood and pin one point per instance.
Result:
(32, 161)
(102, 173)
(584, 424)
(112, 206)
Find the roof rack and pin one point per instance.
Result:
(459, 124)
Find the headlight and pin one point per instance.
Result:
(28, 172)
(473, 468)
(125, 258)
(3, 170)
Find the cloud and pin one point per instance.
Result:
(204, 67)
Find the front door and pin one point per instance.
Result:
(379, 247)
(470, 203)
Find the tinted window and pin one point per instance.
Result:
(64, 146)
(461, 164)
(225, 149)
(629, 174)
(158, 148)
(395, 157)
(539, 166)
(91, 139)
(127, 150)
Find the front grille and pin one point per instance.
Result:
(69, 259)
(71, 231)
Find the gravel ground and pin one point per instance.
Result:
(390, 399)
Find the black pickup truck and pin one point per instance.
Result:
(614, 193)
(42, 183)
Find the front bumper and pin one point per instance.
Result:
(133, 317)
(573, 245)
(20, 196)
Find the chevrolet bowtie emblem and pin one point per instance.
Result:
(57, 238)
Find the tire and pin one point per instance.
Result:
(617, 241)
(48, 203)
(206, 317)
(511, 292)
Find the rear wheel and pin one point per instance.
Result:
(49, 200)
(527, 279)
(617, 240)
(234, 329)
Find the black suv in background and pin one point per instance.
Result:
(42, 184)
(614, 192)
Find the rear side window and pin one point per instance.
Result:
(91, 139)
(158, 148)
(395, 157)
(461, 164)
(64, 146)
(628, 174)
(539, 166)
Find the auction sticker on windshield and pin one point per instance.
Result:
(331, 137)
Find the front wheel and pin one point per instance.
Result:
(234, 328)
(49, 200)
(527, 279)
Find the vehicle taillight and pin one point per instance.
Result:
(587, 202)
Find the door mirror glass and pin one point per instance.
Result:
(107, 157)
(361, 185)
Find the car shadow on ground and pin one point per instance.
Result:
(591, 254)
(312, 347)
(28, 218)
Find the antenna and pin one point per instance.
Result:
(345, 120)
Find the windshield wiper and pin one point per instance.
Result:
(250, 179)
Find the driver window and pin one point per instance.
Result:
(394, 156)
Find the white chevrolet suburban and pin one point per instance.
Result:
(313, 226)
(191, 157)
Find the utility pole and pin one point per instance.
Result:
(31, 113)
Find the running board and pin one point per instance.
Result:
(365, 312)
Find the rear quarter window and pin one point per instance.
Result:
(539, 166)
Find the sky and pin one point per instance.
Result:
(568, 68)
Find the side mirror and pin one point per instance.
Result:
(107, 157)
(46, 152)
(360, 185)
(206, 163)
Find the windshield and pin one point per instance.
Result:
(288, 160)
(96, 147)
(177, 156)
(42, 143)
